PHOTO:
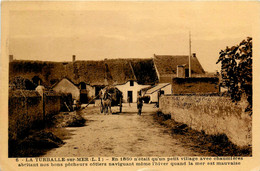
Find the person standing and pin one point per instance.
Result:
(139, 104)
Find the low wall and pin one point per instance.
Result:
(26, 108)
(212, 114)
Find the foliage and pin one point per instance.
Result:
(236, 70)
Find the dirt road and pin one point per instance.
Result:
(124, 134)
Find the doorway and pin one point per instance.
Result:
(130, 96)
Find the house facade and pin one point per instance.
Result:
(130, 90)
(131, 75)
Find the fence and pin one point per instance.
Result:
(212, 114)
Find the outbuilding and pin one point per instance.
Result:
(159, 89)
(67, 86)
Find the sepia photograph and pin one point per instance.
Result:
(129, 79)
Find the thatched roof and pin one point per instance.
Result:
(95, 73)
(105, 72)
(90, 72)
(144, 71)
(119, 71)
(167, 64)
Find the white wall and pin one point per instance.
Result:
(154, 96)
(65, 86)
(124, 88)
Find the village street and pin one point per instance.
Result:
(123, 134)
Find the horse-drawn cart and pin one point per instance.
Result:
(110, 96)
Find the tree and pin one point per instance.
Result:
(236, 70)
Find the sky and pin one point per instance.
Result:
(54, 31)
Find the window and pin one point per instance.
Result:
(131, 83)
(186, 72)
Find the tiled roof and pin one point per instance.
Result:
(167, 64)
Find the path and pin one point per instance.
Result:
(125, 134)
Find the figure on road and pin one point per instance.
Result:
(139, 104)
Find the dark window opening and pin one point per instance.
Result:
(186, 72)
(131, 83)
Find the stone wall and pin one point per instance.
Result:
(212, 114)
(26, 109)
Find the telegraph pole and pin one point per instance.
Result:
(189, 54)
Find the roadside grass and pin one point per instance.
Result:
(207, 145)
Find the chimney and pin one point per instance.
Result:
(73, 58)
(194, 55)
(11, 58)
(181, 71)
